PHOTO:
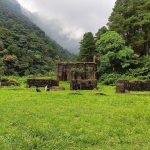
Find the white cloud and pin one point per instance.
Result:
(71, 17)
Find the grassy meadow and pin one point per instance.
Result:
(66, 121)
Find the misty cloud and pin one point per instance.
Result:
(66, 20)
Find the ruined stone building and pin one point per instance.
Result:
(76, 71)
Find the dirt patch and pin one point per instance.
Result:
(101, 94)
(76, 93)
(57, 88)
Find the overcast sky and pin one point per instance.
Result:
(67, 20)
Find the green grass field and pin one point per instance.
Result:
(61, 121)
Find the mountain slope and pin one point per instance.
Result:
(24, 48)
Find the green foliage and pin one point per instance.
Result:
(114, 55)
(138, 71)
(109, 79)
(125, 56)
(100, 32)
(77, 70)
(112, 78)
(141, 69)
(128, 26)
(110, 41)
(87, 47)
(131, 19)
(35, 53)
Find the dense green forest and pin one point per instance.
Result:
(123, 47)
(24, 48)
(131, 19)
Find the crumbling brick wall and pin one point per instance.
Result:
(76, 71)
(7, 82)
(83, 84)
(125, 85)
(42, 82)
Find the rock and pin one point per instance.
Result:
(120, 88)
(83, 84)
(6, 82)
(123, 86)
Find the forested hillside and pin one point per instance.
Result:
(24, 48)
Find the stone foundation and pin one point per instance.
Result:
(42, 82)
(76, 71)
(6, 82)
(124, 85)
(83, 84)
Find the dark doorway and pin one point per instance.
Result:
(64, 76)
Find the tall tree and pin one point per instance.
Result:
(100, 32)
(115, 56)
(131, 19)
(87, 47)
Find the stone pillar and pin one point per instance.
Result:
(120, 88)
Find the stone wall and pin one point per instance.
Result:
(6, 82)
(76, 71)
(83, 84)
(42, 82)
(124, 85)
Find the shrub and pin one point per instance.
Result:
(109, 79)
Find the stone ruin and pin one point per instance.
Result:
(122, 86)
(83, 84)
(76, 71)
(42, 82)
(82, 75)
(7, 82)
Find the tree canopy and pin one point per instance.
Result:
(87, 47)
(100, 32)
(123, 49)
(131, 19)
(114, 55)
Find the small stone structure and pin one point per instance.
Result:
(120, 88)
(76, 71)
(82, 75)
(42, 82)
(124, 85)
(7, 82)
(83, 84)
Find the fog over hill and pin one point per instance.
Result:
(24, 47)
(67, 20)
(54, 30)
